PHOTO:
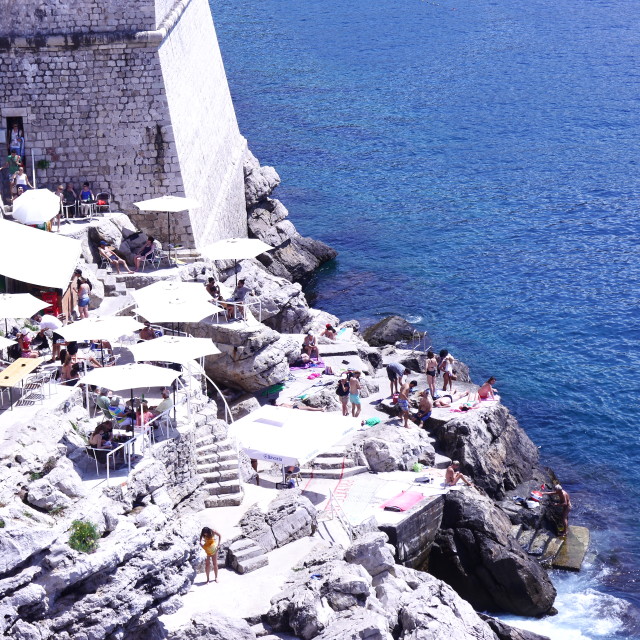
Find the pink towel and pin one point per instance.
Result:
(403, 501)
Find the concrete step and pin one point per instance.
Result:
(336, 452)
(550, 553)
(211, 443)
(247, 566)
(224, 500)
(245, 555)
(212, 467)
(539, 543)
(222, 456)
(526, 538)
(572, 552)
(220, 476)
(222, 488)
(333, 474)
(515, 530)
(333, 463)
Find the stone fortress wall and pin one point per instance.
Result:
(131, 97)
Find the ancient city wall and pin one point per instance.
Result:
(139, 112)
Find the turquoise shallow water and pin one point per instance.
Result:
(476, 165)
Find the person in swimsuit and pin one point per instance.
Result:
(561, 499)
(310, 346)
(329, 332)
(432, 371)
(447, 399)
(109, 254)
(354, 393)
(343, 394)
(146, 249)
(403, 400)
(425, 405)
(487, 392)
(84, 292)
(449, 375)
(210, 545)
(299, 405)
(452, 475)
(396, 373)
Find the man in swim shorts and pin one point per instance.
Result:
(354, 393)
(425, 405)
(396, 372)
(561, 499)
(403, 400)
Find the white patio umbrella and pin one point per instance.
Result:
(177, 310)
(168, 205)
(5, 342)
(20, 305)
(235, 249)
(130, 376)
(178, 349)
(36, 206)
(170, 289)
(107, 328)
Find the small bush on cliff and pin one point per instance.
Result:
(84, 536)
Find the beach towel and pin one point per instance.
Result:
(403, 501)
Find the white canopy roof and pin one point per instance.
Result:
(290, 436)
(37, 257)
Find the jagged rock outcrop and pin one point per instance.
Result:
(389, 330)
(289, 516)
(491, 447)
(475, 554)
(209, 626)
(505, 632)
(360, 594)
(389, 448)
(295, 257)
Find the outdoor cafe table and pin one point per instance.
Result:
(16, 372)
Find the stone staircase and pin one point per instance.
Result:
(245, 555)
(186, 256)
(217, 465)
(332, 464)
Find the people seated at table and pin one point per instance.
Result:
(213, 289)
(105, 399)
(24, 340)
(72, 350)
(101, 436)
(147, 333)
(109, 254)
(235, 310)
(86, 200)
(145, 416)
(145, 250)
(164, 405)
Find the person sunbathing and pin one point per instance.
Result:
(108, 253)
(447, 399)
(452, 475)
(299, 405)
(487, 392)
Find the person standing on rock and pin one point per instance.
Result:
(562, 500)
(343, 393)
(210, 545)
(452, 476)
(396, 372)
(354, 393)
(449, 375)
(403, 400)
(431, 367)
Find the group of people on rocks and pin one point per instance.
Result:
(234, 306)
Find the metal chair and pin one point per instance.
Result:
(66, 207)
(153, 258)
(105, 198)
(100, 456)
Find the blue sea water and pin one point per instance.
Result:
(476, 165)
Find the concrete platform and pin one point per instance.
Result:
(574, 549)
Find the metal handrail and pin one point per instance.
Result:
(340, 515)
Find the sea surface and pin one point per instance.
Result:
(476, 165)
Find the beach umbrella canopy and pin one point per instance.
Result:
(178, 349)
(20, 305)
(130, 376)
(170, 289)
(5, 342)
(177, 310)
(107, 328)
(235, 249)
(36, 206)
(168, 205)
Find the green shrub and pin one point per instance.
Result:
(84, 536)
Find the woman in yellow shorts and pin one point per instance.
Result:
(210, 546)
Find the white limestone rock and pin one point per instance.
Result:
(372, 552)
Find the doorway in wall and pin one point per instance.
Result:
(15, 135)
